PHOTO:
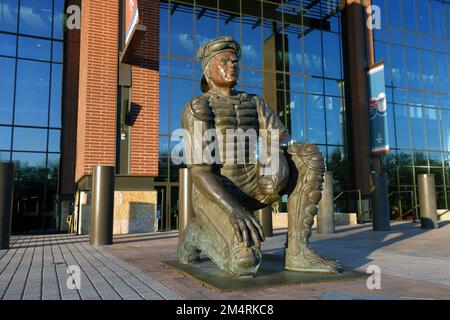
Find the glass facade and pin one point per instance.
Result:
(291, 56)
(414, 41)
(31, 56)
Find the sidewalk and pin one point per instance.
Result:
(414, 264)
(35, 268)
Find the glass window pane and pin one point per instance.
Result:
(5, 156)
(205, 24)
(181, 91)
(5, 138)
(229, 25)
(294, 47)
(33, 48)
(298, 123)
(58, 19)
(410, 14)
(182, 34)
(7, 66)
(29, 166)
(36, 17)
(316, 119)
(333, 87)
(445, 115)
(313, 53)
(182, 68)
(27, 139)
(250, 77)
(252, 42)
(402, 126)
(405, 168)
(57, 55)
(32, 93)
(398, 66)
(8, 14)
(7, 44)
(163, 28)
(418, 127)
(314, 85)
(335, 120)
(413, 68)
(433, 132)
(54, 141)
(395, 13)
(163, 105)
(163, 147)
(332, 55)
(424, 16)
(56, 96)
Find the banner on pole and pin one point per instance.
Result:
(378, 121)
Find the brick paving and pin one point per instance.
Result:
(36, 268)
(414, 263)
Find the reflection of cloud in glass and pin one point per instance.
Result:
(186, 41)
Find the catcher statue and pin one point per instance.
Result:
(226, 193)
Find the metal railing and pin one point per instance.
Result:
(399, 202)
(358, 191)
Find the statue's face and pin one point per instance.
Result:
(224, 70)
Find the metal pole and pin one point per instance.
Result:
(325, 215)
(427, 201)
(186, 212)
(264, 216)
(381, 219)
(102, 212)
(7, 171)
(361, 214)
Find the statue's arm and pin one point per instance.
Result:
(208, 183)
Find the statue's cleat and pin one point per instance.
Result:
(307, 260)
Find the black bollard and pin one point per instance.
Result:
(102, 208)
(380, 201)
(7, 171)
(427, 201)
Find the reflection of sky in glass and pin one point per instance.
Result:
(54, 140)
(56, 96)
(36, 18)
(8, 14)
(7, 66)
(5, 138)
(34, 48)
(28, 139)
(7, 44)
(32, 93)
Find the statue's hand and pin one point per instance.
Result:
(246, 225)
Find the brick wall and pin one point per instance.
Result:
(145, 94)
(96, 136)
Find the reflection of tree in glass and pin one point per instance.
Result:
(338, 163)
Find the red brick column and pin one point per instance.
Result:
(96, 136)
(145, 94)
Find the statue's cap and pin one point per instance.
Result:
(213, 47)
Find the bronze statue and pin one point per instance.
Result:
(225, 194)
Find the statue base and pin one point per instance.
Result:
(270, 274)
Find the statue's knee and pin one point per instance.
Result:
(308, 155)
